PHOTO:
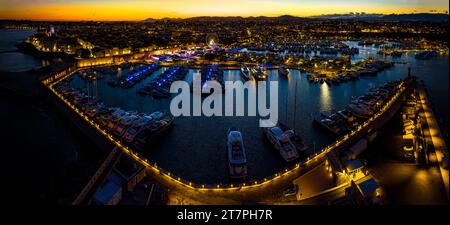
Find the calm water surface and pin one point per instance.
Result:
(11, 59)
(195, 148)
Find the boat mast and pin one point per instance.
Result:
(286, 104)
(96, 89)
(295, 103)
(88, 87)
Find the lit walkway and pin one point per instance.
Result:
(315, 181)
(436, 137)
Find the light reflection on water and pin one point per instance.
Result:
(195, 148)
(325, 99)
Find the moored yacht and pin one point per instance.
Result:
(259, 73)
(283, 71)
(282, 142)
(359, 110)
(124, 123)
(246, 73)
(426, 55)
(237, 160)
(328, 123)
(140, 124)
(114, 118)
(152, 132)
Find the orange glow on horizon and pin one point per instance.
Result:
(140, 9)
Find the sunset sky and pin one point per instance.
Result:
(142, 9)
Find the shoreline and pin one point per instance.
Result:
(29, 49)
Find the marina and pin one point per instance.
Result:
(315, 139)
(331, 98)
(342, 143)
(324, 109)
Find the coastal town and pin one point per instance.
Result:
(344, 85)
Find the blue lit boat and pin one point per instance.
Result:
(246, 73)
(259, 73)
(283, 71)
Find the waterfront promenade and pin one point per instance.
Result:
(434, 138)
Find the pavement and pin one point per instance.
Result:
(434, 137)
(315, 181)
(403, 182)
(269, 193)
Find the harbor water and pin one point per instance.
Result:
(195, 148)
(11, 59)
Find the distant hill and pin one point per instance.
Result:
(231, 18)
(417, 17)
(430, 17)
(350, 16)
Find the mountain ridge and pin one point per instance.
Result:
(430, 17)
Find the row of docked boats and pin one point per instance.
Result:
(371, 42)
(283, 71)
(337, 80)
(212, 72)
(359, 110)
(90, 75)
(426, 55)
(337, 122)
(285, 140)
(304, 48)
(138, 74)
(160, 86)
(371, 68)
(390, 53)
(259, 73)
(324, 51)
(137, 130)
(98, 73)
(209, 73)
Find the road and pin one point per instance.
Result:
(433, 135)
(403, 182)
